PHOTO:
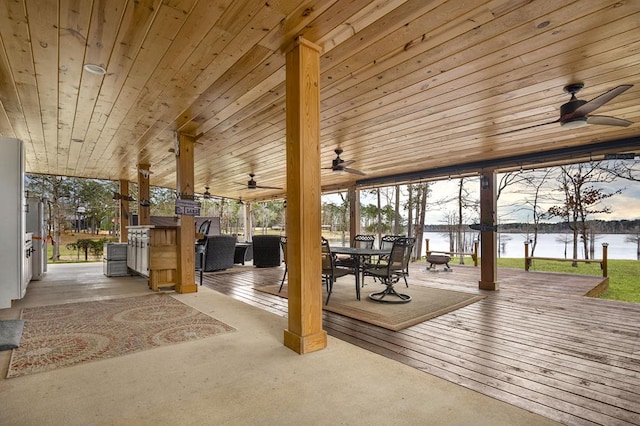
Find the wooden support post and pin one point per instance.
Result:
(426, 246)
(123, 206)
(304, 333)
(144, 209)
(475, 252)
(527, 261)
(186, 282)
(605, 271)
(488, 237)
(248, 234)
(354, 212)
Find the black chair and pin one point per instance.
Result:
(266, 251)
(283, 245)
(331, 272)
(386, 243)
(391, 272)
(216, 253)
(204, 230)
(359, 241)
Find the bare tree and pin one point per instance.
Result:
(635, 238)
(581, 199)
(536, 182)
(397, 218)
(624, 169)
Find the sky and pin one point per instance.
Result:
(512, 205)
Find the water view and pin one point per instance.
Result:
(549, 245)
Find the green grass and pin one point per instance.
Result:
(624, 275)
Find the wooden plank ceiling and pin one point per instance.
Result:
(406, 85)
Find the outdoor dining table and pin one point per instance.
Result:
(358, 254)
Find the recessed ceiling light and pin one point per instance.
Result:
(95, 69)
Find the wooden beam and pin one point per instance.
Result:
(186, 230)
(144, 212)
(488, 238)
(304, 333)
(124, 210)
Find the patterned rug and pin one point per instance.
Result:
(64, 335)
(426, 303)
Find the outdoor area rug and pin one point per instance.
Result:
(10, 334)
(426, 303)
(64, 335)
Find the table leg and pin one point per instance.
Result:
(357, 274)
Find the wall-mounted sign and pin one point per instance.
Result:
(188, 208)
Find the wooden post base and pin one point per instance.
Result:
(305, 344)
(186, 288)
(488, 285)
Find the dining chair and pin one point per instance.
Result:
(391, 272)
(386, 243)
(283, 244)
(331, 272)
(359, 241)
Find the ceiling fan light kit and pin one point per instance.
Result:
(574, 123)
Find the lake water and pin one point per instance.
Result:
(549, 245)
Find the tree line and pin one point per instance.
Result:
(556, 199)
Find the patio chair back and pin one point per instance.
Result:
(363, 241)
(399, 258)
(329, 270)
(386, 243)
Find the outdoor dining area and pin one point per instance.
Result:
(388, 264)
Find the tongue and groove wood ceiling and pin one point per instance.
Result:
(405, 85)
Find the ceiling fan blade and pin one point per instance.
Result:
(346, 163)
(267, 187)
(597, 102)
(354, 171)
(526, 128)
(608, 121)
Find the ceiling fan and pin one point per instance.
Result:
(576, 112)
(252, 184)
(206, 195)
(340, 165)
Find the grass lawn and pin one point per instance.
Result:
(68, 255)
(624, 275)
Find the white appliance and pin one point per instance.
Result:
(13, 250)
(36, 224)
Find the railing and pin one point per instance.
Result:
(602, 262)
(474, 254)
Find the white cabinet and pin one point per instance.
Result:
(152, 252)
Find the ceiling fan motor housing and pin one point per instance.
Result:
(571, 106)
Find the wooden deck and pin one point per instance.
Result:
(538, 343)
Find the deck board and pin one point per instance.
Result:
(538, 343)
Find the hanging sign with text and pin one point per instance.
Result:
(188, 208)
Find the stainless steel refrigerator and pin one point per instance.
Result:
(36, 224)
(14, 252)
